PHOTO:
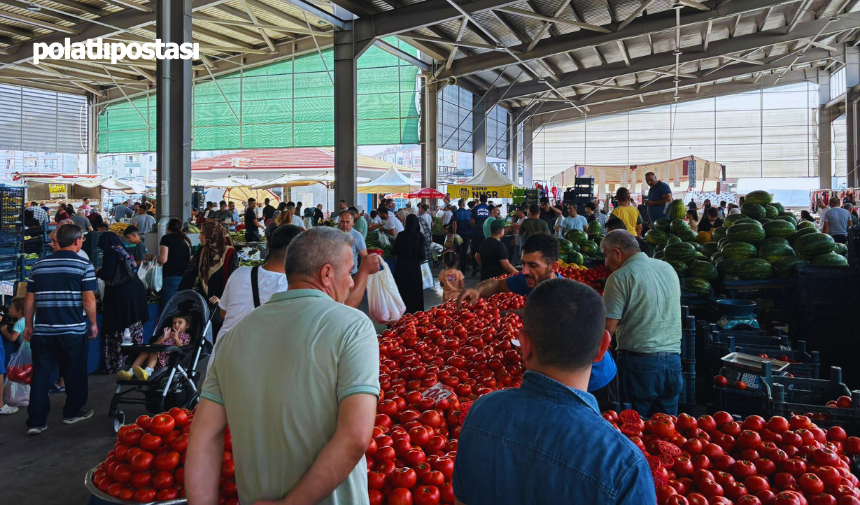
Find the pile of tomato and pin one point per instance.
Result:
(147, 462)
(21, 374)
(433, 366)
(594, 277)
(713, 460)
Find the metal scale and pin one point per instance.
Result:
(736, 314)
(738, 366)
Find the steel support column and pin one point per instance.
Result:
(528, 133)
(93, 139)
(825, 139)
(479, 135)
(429, 134)
(345, 125)
(513, 149)
(852, 79)
(173, 115)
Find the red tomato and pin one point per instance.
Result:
(734, 491)
(162, 480)
(754, 423)
(710, 488)
(722, 417)
(427, 495)
(852, 446)
(180, 417)
(162, 424)
(447, 492)
(141, 480)
(127, 494)
(778, 425)
(677, 500)
(404, 477)
(141, 462)
(150, 442)
(444, 465)
(664, 492)
(822, 499)
(829, 475)
(228, 469)
(166, 461)
(122, 474)
(115, 489)
(167, 494)
(433, 478)
(145, 495)
(419, 436)
(707, 423)
(399, 496)
(749, 439)
(131, 437)
(376, 497)
(788, 498)
(811, 484)
(697, 499)
(836, 434)
(743, 469)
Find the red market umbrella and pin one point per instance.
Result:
(427, 193)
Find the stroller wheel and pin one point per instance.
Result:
(118, 420)
(193, 401)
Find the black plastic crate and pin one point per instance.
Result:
(775, 298)
(688, 389)
(583, 181)
(688, 345)
(795, 395)
(808, 363)
(741, 402)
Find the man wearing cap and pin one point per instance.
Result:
(493, 255)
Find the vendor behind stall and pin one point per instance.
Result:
(540, 263)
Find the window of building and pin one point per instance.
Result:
(455, 119)
(837, 83)
(30, 162)
(52, 164)
(10, 163)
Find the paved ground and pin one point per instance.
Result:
(50, 468)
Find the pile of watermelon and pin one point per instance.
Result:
(765, 241)
(578, 246)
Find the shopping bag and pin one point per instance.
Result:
(153, 278)
(143, 271)
(426, 276)
(16, 395)
(20, 367)
(384, 239)
(383, 299)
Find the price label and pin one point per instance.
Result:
(438, 392)
(7, 288)
(57, 190)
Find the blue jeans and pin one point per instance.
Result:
(650, 385)
(169, 287)
(47, 351)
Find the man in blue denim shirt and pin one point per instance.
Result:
(546, 442)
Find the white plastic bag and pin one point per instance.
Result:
(143, 271)
(426, 276)
(15, 394)
(153, 278)
(384, 302)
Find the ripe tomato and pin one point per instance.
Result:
(734, 491)
(697, 499)
(852, 446)
(162, 480)
(141, 462)
(167, 494)
(404, 477)
(788, 498)
(122, 474)
(710, 488)
(749, 439)
(756, 483)
(754, 423)
(444, 465)
(144, 495)
(180, 416)
(740, 385)
(706, 423)
(131, 437)
(811, 484)
(778, 425)
(743, 469)
(822, 499)
(150, 442)
(162, 424)
(141, 480)
(677, 499)
(399, 496)
(376, 497)
(664, 492)
(427, 495)
(166, 461)
(829, 475)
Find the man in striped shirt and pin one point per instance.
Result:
(61, 290)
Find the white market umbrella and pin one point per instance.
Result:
(491, 178)
(284, 181)
(230, 183)
(325, 178)
(391, 181)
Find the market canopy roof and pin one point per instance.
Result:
(391, 181)
(429, 193)
(491, 178)
(278, 162)
(230, 182)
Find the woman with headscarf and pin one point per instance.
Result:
(124, 301)
(210, 267)
(409, 251)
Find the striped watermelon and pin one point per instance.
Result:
(805, 224)
(785, 267)
(779, 228)
(698, 286)
(677, 210)
(752, 232)
(753, 210)
(774, 252)
(800, 233)
(755, 269)
(814, 244)
(704, 270)
(738, 251)
(683, 252)
(718, 233)
(830, 259)
(758, 197)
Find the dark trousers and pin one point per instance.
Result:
(47, 351)
(840, 239)
(607, 396)
(462, 250)
(650, 385)
(251, 235)
(476, 248)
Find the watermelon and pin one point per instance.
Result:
(753, 210)
(682, 252)
(678, 225)
(728, 266)
(575, 258)
(764, 221)
(734, 218)
(774, 252)
(738, 251)
(785, 267)
(770, 212)
(758, 197)
(801, 232)
(597, 239)
(840, 249)
(711, 249)
(790, 218)
(704, 270)
(659, 255)
(574, 247)
(659, 247)
(679, 266)
(830, 259)
(589, 248)
(688, 236)
(805, 224)
(677, 210)
(779, 228)
(698, 286)
(576, 236)
(594, 228)
(752, 233)
(773, 240)
(655, 237)
(662, 224)
(564, 247)
(755, 269)
(703, 237)
(779, 208)
(813, 244)
(701, 257)
(718, 233)
(673, 240)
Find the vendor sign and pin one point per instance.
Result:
(57, 190)
(472, 192)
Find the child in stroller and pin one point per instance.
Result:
(176, 334)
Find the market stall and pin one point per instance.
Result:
(486, 182)
(392, 181)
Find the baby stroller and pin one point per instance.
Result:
(174, 384)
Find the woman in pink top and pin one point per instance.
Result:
(451, 279)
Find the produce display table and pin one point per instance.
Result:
(100, 498)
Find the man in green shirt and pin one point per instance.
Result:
(360, 227)
(643, 312)
(297, 380)
(533, 224)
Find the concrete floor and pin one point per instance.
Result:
(50, 468)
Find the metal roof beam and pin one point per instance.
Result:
(268, 9)
(548, 19)
(690, 54)
(44, 11)
(652, 23)
(89, 9)
(321, 13)
(403, 55)
(131, 5)
(37, 22)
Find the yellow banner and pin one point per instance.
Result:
(57, 190)
(472, 192)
